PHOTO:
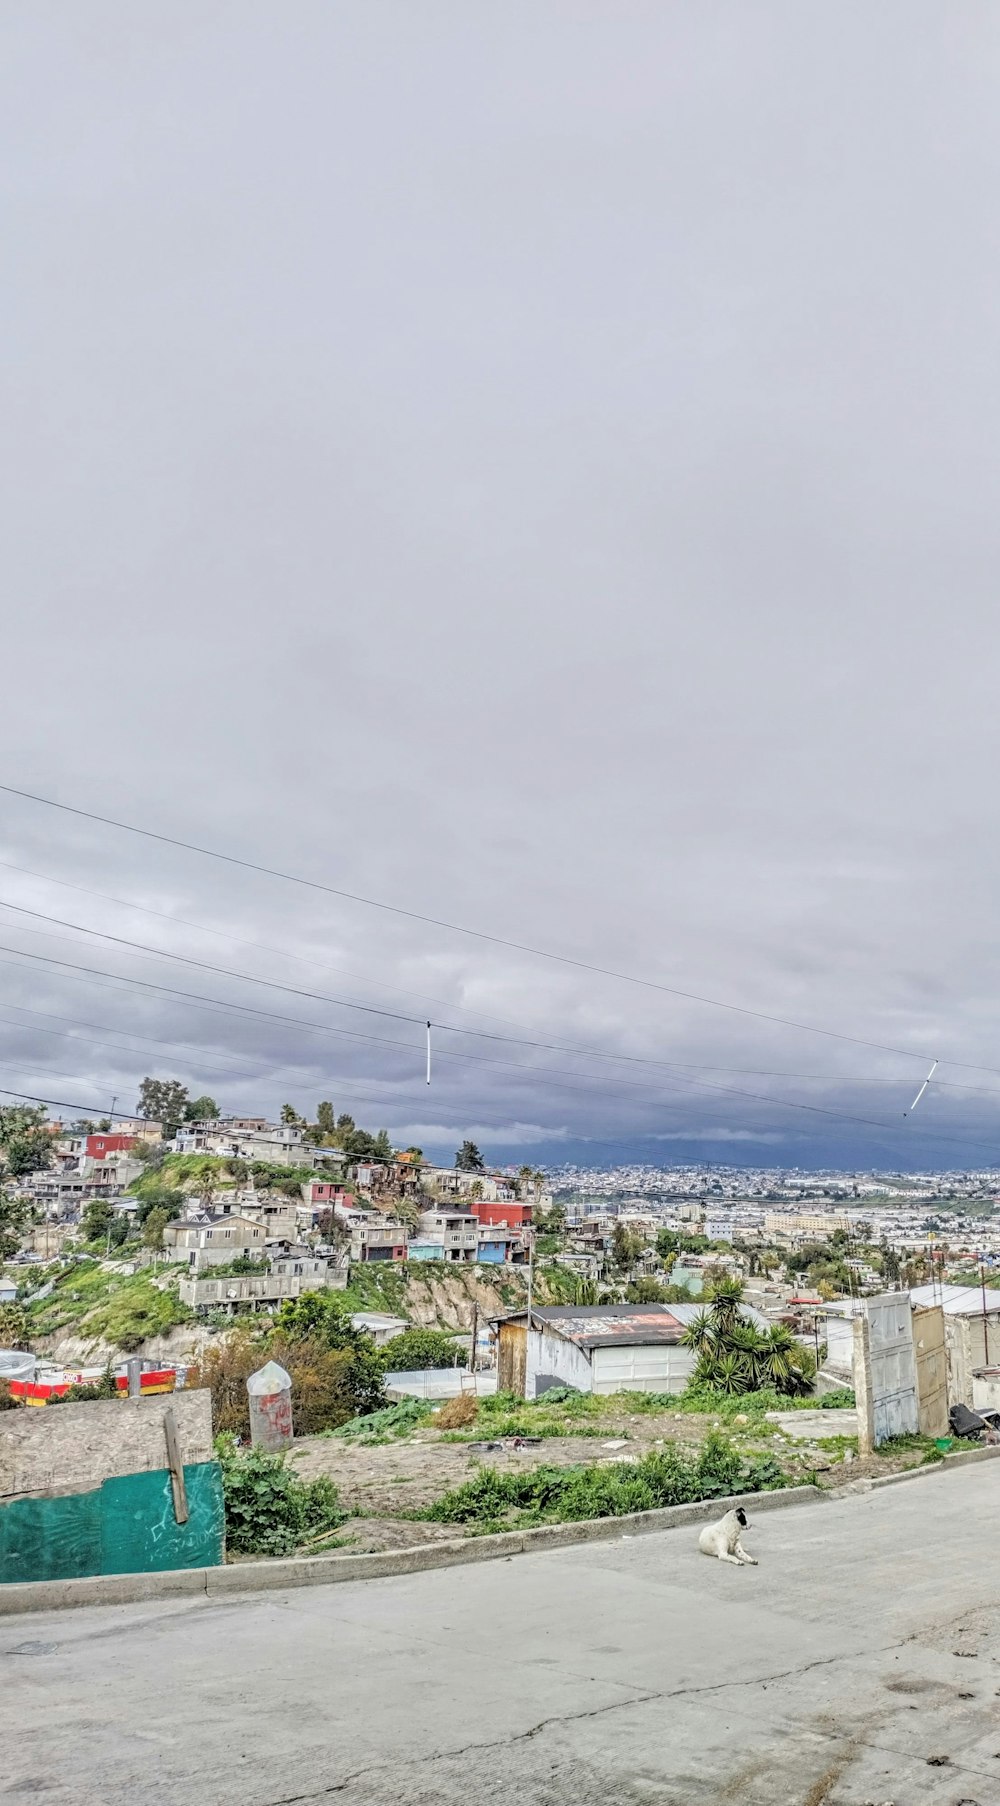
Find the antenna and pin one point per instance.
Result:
(923, 1088)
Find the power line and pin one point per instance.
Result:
(222, 934)
(366, 1009)
(478, 934)
(479, 1059)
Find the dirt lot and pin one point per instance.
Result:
(379, 1483)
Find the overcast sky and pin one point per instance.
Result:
(535, 465)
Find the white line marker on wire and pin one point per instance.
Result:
(923, 1088)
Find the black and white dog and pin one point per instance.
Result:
(723, 1539)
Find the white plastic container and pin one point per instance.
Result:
(270, 1394)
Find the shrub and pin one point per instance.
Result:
(325, 1388)
(268, 1510)
(394, 1420)
(322, 1317)
(560, 1494)
(418, 1348)
(458, 1413)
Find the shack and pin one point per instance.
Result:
(595, 1348)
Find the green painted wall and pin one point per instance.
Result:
(126, 1526)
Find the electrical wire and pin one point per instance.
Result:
(534, 1072)
(347, 1003)
(478, 934)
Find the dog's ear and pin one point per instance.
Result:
(741, 1516)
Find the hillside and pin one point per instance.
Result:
(96, 1309)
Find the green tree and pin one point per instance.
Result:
(160, 1197)
(153, 1227)
(201, 1109)
(414, 1349)
(97, 1219)
(383, 1146)
(646, 1291)
(890, 1263)
(25, 1140)
(326, 1122)
(290, 1116)
(626, 1246)
(15, 1215)
(163, 1101)
(13, 1326)
(469, 1159)
(322, 1317)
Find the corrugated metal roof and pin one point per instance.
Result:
(620, 1325)
(957, 1301)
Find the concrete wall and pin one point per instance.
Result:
(969, 1343)
(556, 1358)
(85, 1489)
(73, 1447)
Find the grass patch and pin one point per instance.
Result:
(123, 1309)
(496, 1501)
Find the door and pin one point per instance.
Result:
(893, 1366)
(932, 1370)
(512, 1358)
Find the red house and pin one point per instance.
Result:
(100, 1146)
(505, 1213)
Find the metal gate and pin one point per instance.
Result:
(892, 1364)
(932, 1370)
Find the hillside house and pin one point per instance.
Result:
(237, 1293)
(498, 1245)
(379, 1325)
(505, 1213)
(446, 1235)
(214, 1241)
(377, 1238)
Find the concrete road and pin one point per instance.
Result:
(859, 1662)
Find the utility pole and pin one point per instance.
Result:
(986, 1329)
(475, 1332)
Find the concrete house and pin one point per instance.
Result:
(215, 1241)
(450, 1235)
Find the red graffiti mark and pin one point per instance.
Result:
(276, 1408)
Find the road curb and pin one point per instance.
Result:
(325, 1570)
(961, 1458)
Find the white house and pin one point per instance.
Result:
(598, 1348)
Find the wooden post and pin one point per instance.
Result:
(176, 1466)
(475, 1332)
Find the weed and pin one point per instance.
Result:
(269, 1510)
(492, 1499)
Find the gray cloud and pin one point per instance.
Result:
(535, 466)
